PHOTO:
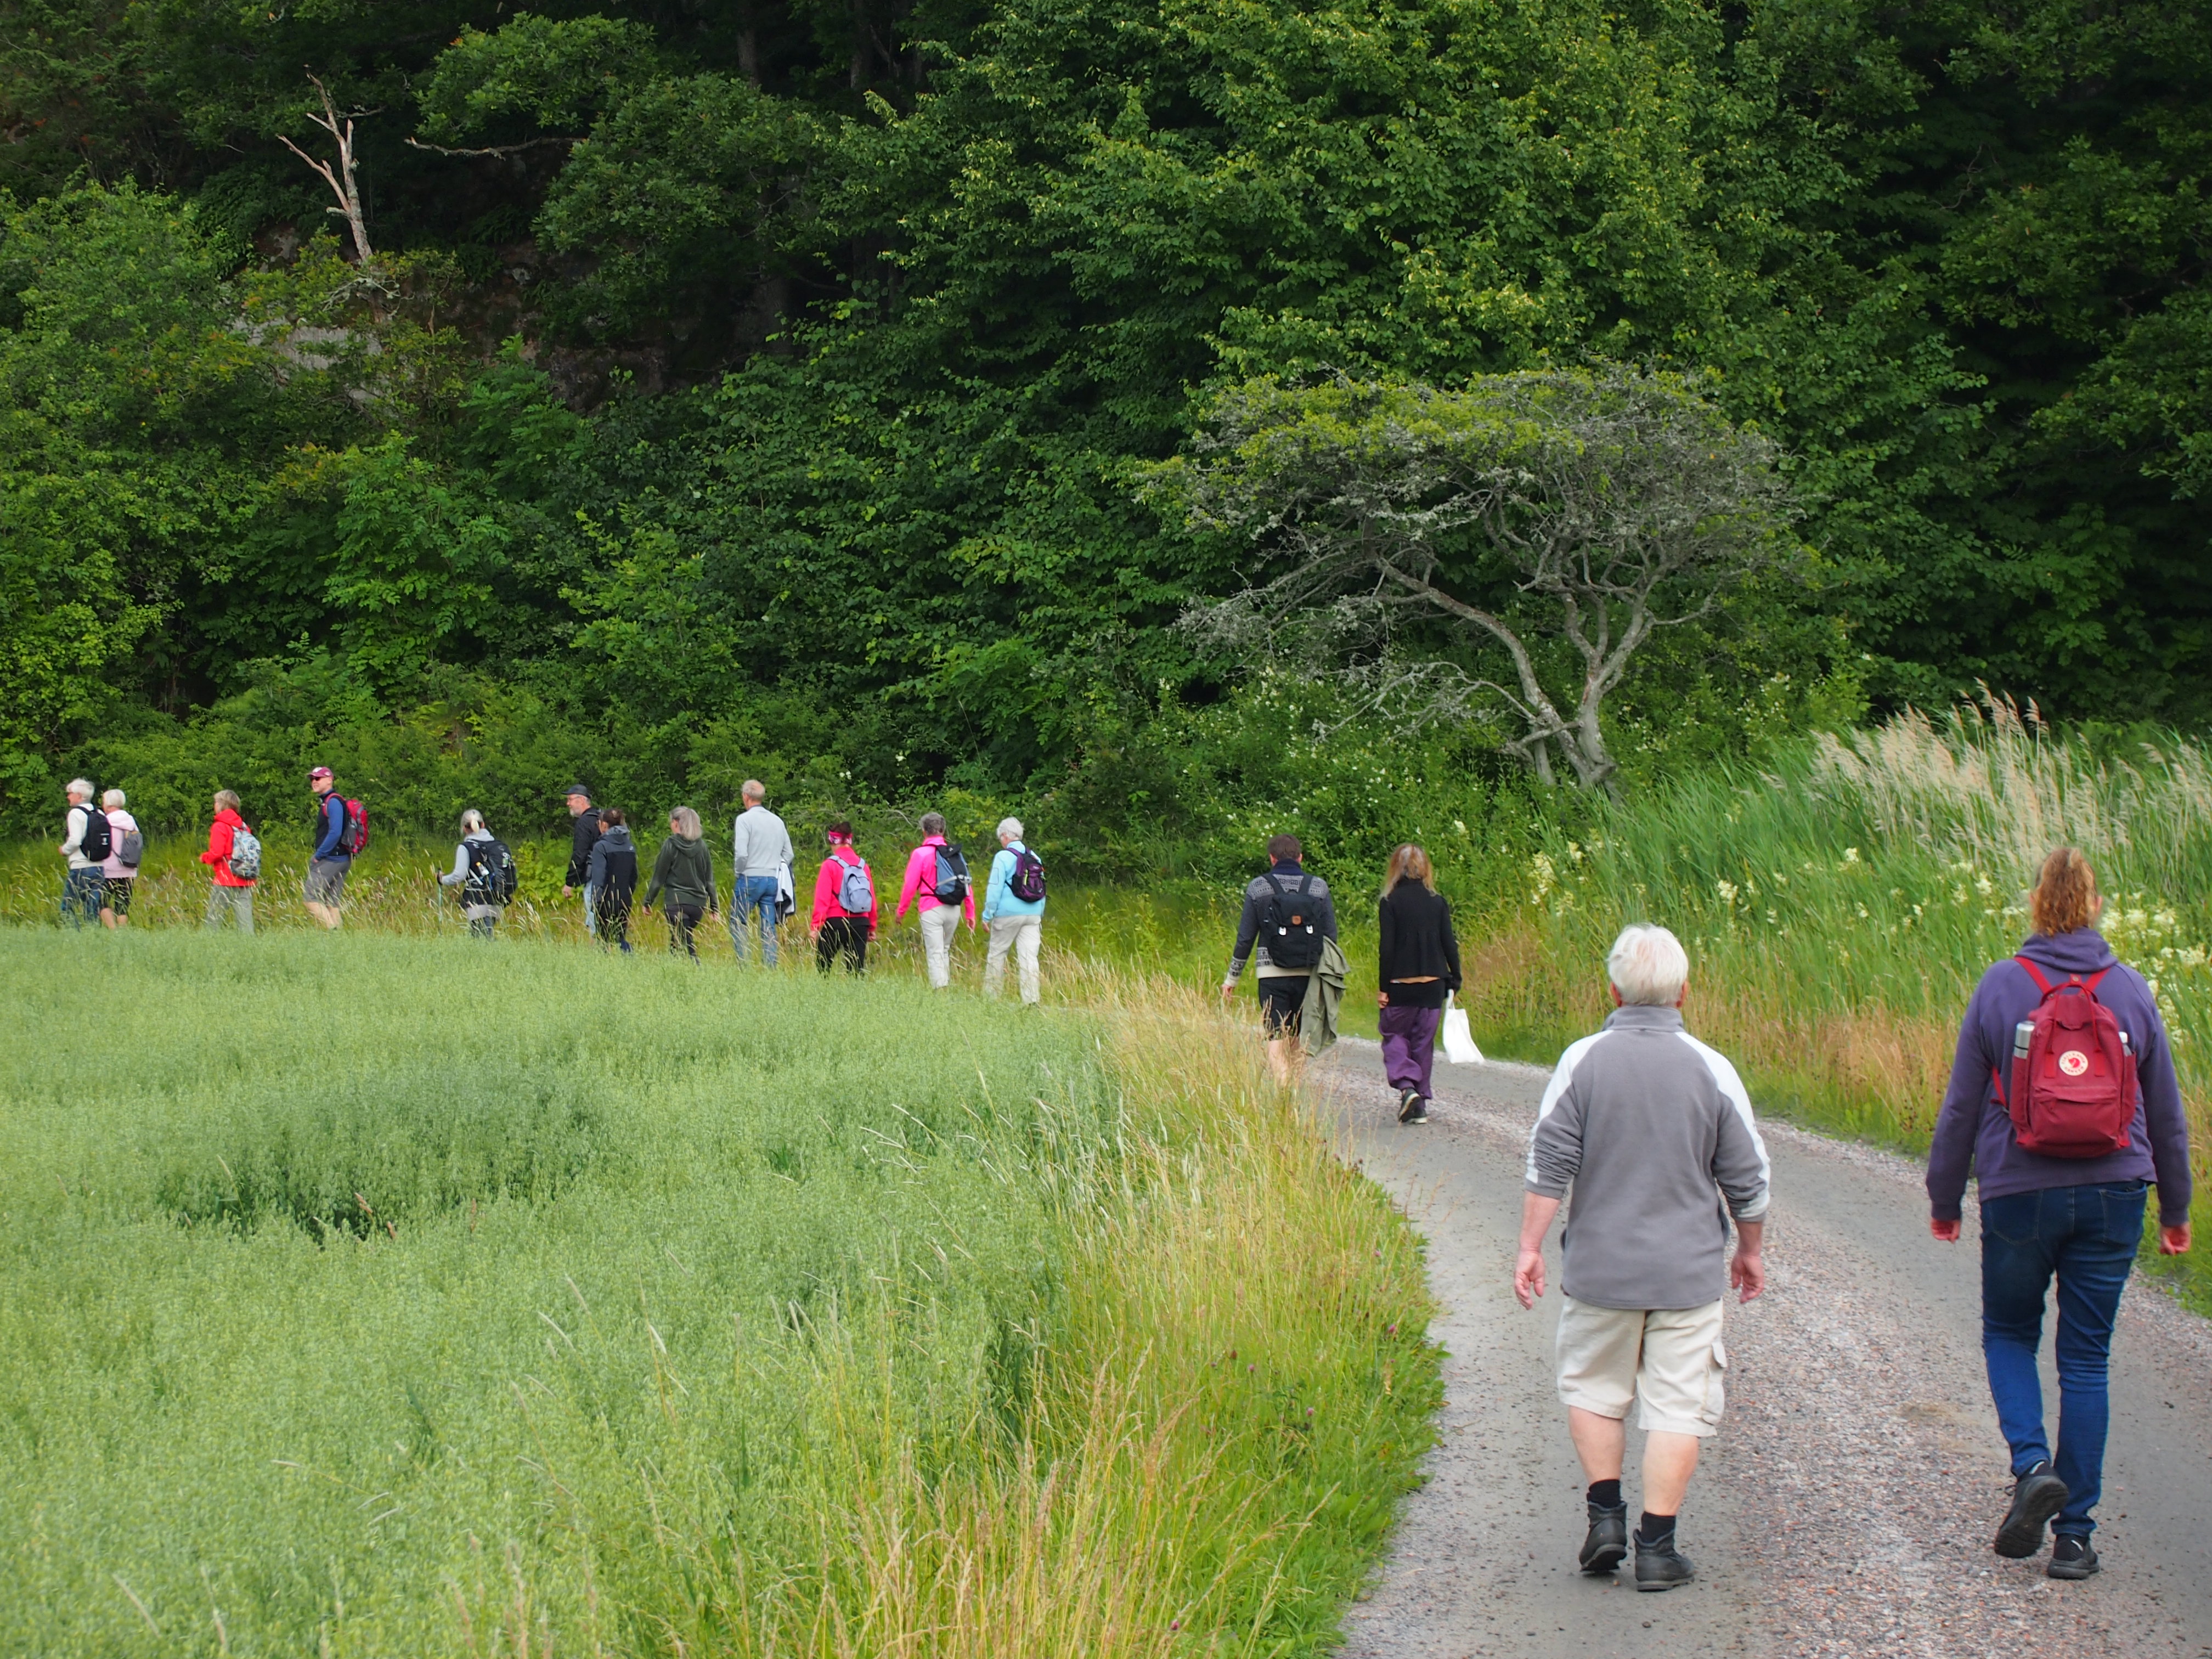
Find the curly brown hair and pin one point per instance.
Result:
(2065, 896)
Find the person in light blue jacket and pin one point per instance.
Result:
(1014, 910)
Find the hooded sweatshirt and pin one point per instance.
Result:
(685, 870)
(612, 870)
(1974, 1133)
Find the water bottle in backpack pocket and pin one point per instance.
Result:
(492, 876)
(2072, 1093)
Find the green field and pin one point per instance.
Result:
(372, 1295)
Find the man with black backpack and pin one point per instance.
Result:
(1287, 914)
(86, 842)
(936, 881)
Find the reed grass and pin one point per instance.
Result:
(1840, 906)
(370, 1295)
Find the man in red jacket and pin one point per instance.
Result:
(232, 892)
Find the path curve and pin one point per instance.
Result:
(1847, 1507)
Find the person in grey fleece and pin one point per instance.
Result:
(1654, 1133)
(760, 845)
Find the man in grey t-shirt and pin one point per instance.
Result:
(1654, 1133)
(761, 849)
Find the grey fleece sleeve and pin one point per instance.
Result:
(1248, 935)
(1740, 1162)
(1555, 1144)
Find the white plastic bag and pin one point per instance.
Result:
(1459, 1040)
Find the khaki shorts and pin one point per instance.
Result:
(1669, 1361)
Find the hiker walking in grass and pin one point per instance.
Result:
(1654, 1133)
(1288, 914)
(612, 880)
(844, 915)
(685, 870)
(2063, 1105)
(118, 871)
(1419, 969)
(760, 845)
(586, 822)
(85, 843)
(1014, 910)
(484, 869)
(937, 881)
(235, 855)
(336, 839)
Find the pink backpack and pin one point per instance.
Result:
(2073, 1092)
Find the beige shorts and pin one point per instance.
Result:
(1669, 1361)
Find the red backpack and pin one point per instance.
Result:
(2073, 1092)
(354, 839)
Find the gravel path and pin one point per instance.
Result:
(1847, 1507)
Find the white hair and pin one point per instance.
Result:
(1648, 966)
(471, 819)
(1010, 828)
(112, 798)
(81, 786)
(686, 822)
(754, 790)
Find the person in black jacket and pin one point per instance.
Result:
(612, 880)
(584, 832)
(1419, 968)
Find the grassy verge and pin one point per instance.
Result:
(376, 1295)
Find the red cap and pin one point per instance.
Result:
(320, 772)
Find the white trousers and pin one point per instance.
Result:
(937, 927)
(1022, 935)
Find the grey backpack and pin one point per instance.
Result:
(130, 850)
(856, 889)
(245, 855)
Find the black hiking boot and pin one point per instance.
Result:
(1412, 1108)
(1606, 1547)
(2036, 1497)
(1661, 1566)
(2070, 1558)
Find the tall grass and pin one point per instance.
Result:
(370, 1295)
(1840, 907)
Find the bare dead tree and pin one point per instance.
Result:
(341, 177)
(1608, 502)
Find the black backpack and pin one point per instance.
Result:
(492, 878)
(1291, 935)
(951, 874)
(99, 838)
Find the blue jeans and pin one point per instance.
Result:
(2087, 1236)
(754, 893)
(82, 891)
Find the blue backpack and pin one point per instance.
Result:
(856, 888)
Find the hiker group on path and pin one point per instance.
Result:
(2063, 1108)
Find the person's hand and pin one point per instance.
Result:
(1942, 1232)
(1227, 990)
(567, 892)
(1381, 998)
(2173, 1241)
(1529, 1275)
(1747, 1274)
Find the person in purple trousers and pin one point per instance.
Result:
(1419, 968)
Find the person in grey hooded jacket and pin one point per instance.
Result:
(612, 879)
(1653, 1132)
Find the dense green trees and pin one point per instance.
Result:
(843, 333)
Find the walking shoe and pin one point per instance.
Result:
(2036, 1497)
(1661, 1566)
(1409, 1103)
(1420, 1112)
(2070, 1558)
(1606, 1547)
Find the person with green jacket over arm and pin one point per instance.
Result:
(685, 870)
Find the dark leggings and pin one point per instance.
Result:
(614, 924)
(682, 919)
(848, 934)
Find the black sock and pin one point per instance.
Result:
(1606, 1494)
(1655, 1528)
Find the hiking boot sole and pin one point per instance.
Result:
(2021, 1534)
(1605, 1558)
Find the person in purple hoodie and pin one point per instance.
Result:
(2078, 1220)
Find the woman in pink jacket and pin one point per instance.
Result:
(844, 904)
(937, 877)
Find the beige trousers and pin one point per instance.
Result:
(1022, 935)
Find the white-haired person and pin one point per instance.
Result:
(116, 875)
(472, 872)
(1653, 1132)
(85, 846)
(1014, 910)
